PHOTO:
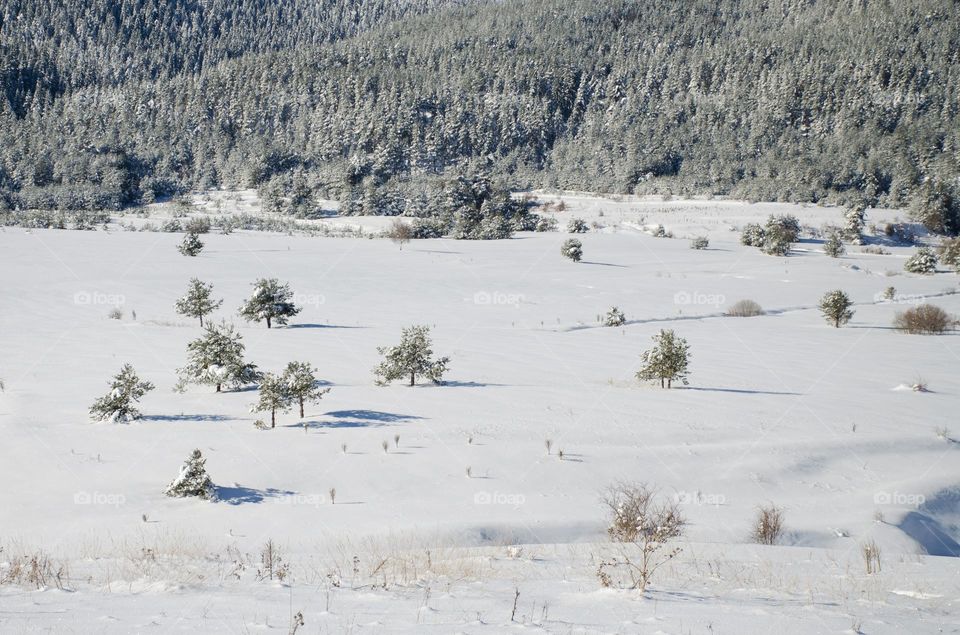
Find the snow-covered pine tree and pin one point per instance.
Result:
(412, 358)
(216, 358)
(924, 261)
(949, 253)
(274, 397)
(854, 221)
(191, 245)
(614, 317)
(753, 235)
(577, 226)
(833, 246)
(197, 301)
(572, 249)
(667, 361)
(835, 306)
(301, 382)
(119, 404)
(270, 302)
(193, 480)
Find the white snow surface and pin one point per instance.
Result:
(781, 409)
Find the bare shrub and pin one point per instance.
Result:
(400, 232)
(642, 526)
(36, 570)
(745, 308)
(115, 314)
(871, 556)
(272, 565)
(768, 525)
(925, 319)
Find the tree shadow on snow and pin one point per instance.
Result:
(191, 417)
(603, 264)
(468, 384)
(322, 326)
(738, 391)
(356, 419)
(239, 495)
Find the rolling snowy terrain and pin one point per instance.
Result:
(468, 507)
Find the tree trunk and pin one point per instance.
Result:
(669, 384)
(218, 387)
(661, 382)
(273, 418)
(301, 408)
(413, 379)
(268, 322)
(201, 321)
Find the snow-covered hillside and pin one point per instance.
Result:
(780, 409)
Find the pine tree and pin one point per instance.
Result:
(753, 235)
(835, 306)
(667, 361)
(216, 358)
(614, 317)
(119, 404)
(924, 261)
(271, 301)
(412, 358)
(300, 379)
(193, 480)
(274, 397)
(949, 253)
(191, 245)
(577, 226)
(197, 302)
(572, 249)
(854, 222)
(833, 246)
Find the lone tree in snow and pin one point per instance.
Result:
(413, 357)
(833, 246)
(119, 404)
(274, 397)
(193, 480)
(572, 249)
(400, 232)
(614, 317)
(300, 379)
(667, 361)
(197, 301)
(271, 301)
(835, 306)
(191, 245)
(854, 221)
(216, 358)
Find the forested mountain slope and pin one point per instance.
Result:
(846, 100)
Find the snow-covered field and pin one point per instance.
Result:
(781, 409)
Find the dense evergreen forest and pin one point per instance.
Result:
(111, 103)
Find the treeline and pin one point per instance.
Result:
(848, 101)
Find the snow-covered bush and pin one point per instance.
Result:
(667, 361)
(191, 245)
(614, 317)
(833, 246)
(412, 358)
(193, 480)
(949, 253)
(119, 404)
(700, 242)
(639, 520)
(854, 222)
(745, 308)
(197, 303)
(572, 249)
(835, 306)
(752, 235)
(924, 261)
(216, 359)
(546, 224)
(577, 226)
(270, 302)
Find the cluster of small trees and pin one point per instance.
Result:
(271, 302)
(297, 385)
(775, 238)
